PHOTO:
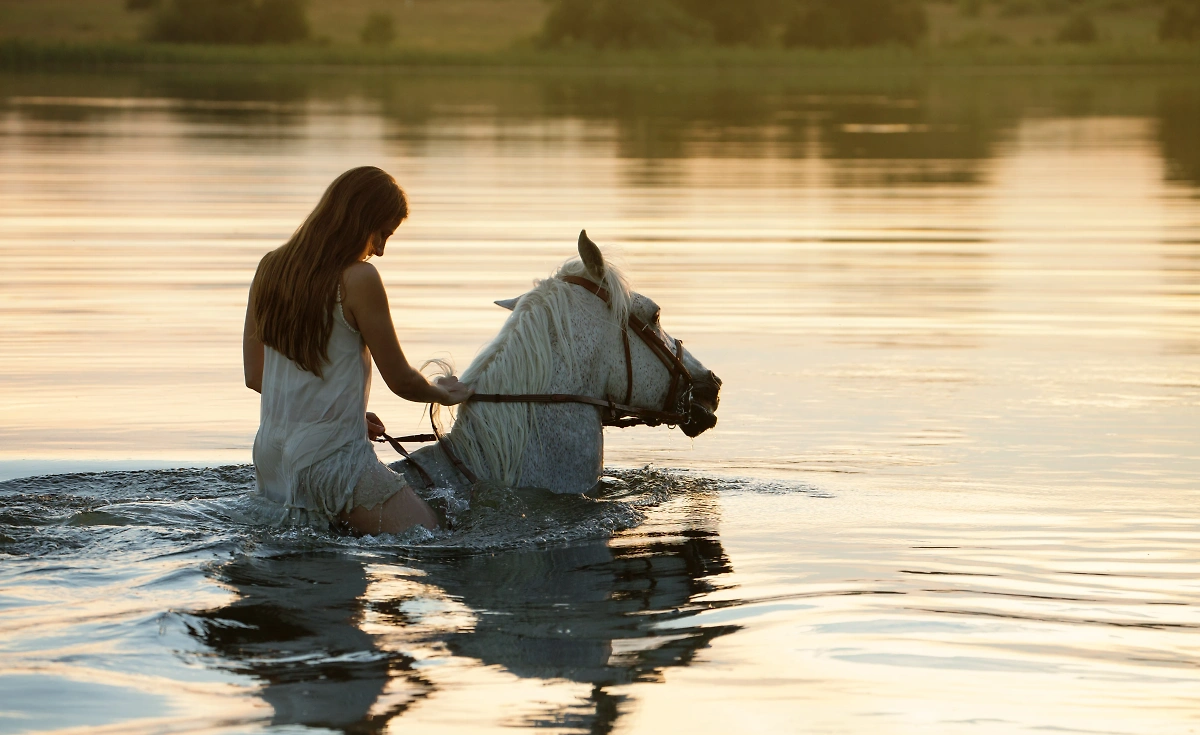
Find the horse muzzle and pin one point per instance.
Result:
(702, 413)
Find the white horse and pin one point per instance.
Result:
(564, 337)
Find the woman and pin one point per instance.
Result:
(317, 314)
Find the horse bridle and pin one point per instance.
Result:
(623, 414)
(676, 410)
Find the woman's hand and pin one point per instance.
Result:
(456, 391)
(375, 427)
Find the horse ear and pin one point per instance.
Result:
(592, 258)
(509, 304)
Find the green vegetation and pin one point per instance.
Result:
(659, 23)
(602, 33)
(379, 30)
(621, 24)
(1079, 29)
(746, 22)
(671, 23)
(850, 23)
(437, 27)
(228, 21)
(1181, 21)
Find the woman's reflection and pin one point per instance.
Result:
(295, 628)
(602, 614)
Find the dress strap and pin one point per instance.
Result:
(341, 315)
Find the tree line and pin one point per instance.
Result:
(624, 24)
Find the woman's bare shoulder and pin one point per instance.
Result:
(362, 288)
(361, 275)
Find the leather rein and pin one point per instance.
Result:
(620, 415)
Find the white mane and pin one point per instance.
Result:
(491, 437)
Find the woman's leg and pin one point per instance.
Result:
(398, 513)
(384, 503)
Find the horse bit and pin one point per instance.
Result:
(622, 415)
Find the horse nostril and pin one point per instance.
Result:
(714, 379)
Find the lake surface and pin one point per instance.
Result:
(954, 486)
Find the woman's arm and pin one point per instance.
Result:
(365, 306)
(252, 349)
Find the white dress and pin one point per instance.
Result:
(312, 446)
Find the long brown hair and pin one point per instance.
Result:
(296, 285)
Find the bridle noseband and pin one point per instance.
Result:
(676, 410)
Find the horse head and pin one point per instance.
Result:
(581, 350)
(654, 371)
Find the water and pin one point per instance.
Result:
(952, 489)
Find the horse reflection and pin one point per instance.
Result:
(599, 614)
(295, 628)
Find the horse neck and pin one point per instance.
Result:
(565, 455)
(564, 448)
(565, 452)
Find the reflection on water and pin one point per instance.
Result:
(958, 320)
(944, 119)
(587, 613)
(148, 603)
(294, 627)
(590, 614)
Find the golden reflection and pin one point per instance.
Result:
(294, 629)
(334, 641)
